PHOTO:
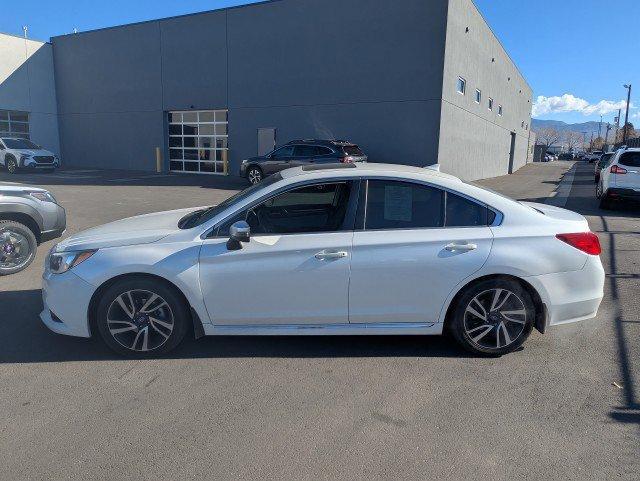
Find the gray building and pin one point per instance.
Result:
(414, 82)
(27, 91)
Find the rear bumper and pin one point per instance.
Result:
(620, 193)
(571, 296)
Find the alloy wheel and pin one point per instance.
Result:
(15, 251)
(12, 167)
(255, 176)
(140, 320)
(495, 319)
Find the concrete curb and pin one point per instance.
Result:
(561, 195)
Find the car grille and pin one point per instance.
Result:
(43, 159)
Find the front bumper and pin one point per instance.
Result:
(55, 224)
(243, 170)
(571, 296)
(66, 296)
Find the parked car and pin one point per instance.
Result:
(594, 156)
(548, 157)
(620, 180)
(29, 216)
(601, 164)
(566, 156)
(16, 154)
(343, 249)
(298, 153)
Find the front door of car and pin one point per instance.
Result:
(278, 160)
(413, 244)
(294, 270)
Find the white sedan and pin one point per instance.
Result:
(354, 249)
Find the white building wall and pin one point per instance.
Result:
(27, 84)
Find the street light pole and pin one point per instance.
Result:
(625, 130)
(600, 128)
(606, 136)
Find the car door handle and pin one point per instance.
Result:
(454, 247)
(330, 255)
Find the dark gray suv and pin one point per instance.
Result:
(298, 153)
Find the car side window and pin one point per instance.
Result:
(324, 151)
(461, 212)
(309, 209)
(402, 205)
(305, 151)
(630, 159)
(283, 152)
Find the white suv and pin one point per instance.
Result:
(18, 154)
(620, 179)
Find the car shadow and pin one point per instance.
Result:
(26, 340)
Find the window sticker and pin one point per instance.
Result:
(398, 203)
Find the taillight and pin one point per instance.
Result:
(347, 160)
(616, 169)
(587, 242)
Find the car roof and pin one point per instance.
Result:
(367, 169)
(340, 143)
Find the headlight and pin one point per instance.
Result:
(63, 261)
(43, 196)
(25, 157)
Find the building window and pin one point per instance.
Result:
(462, 86)
(14, 124)
(478, 96)
(199, 141)
(499, 109)
(490, 103)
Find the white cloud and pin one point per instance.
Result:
(569, 103)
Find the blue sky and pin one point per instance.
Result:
(576, 54)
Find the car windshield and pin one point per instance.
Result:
(202, 216)
(20, 144)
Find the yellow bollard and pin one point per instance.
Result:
(158, 160)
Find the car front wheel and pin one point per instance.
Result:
(142, 317)
(493, 317)
(18, 247)
(254, 174)
(12, 165)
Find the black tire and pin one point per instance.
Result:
(495, 327)
(31, 246)
(254, 174)
(119, 342)
(12, 165)
(605, 202)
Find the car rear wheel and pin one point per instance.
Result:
(254, 174)
(18, 246)
(141, 317)
(12, 165)
(493, 317)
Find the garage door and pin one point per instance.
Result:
(14, 124)
(198, 141)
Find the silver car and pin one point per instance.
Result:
(29, 216)
(18, 154)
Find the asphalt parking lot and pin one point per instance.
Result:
(566, 406)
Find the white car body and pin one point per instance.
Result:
(27, 158)
(381, 282)
(621, 177)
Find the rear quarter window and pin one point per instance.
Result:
(630, 159)
(461, 212)
(353, 150)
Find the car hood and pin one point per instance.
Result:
(142, 229)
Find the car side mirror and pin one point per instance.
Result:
(239, 232)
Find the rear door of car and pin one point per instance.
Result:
(413, 244)
(304, 155)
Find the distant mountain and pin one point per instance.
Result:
(588, 127)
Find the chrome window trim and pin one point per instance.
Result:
(206, 234)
